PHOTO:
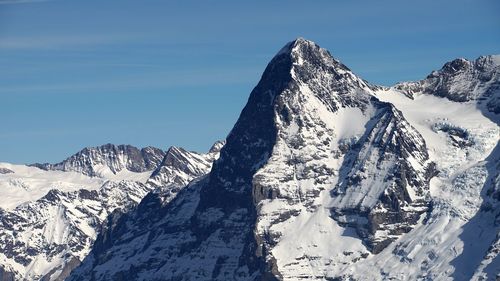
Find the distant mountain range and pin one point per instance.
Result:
(324, 176)
(45, 238)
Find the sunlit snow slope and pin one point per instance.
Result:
(328, 177)
(50, 217)
(323, 177)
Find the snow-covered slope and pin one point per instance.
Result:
(323, 177)
(23, 183)
(179, 167)
(326, 177)
(52, 217)
(454, 240)
(52, 234)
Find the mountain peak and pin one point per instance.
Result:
(301, 42)
(462, 80)
(115, 157)
(316, 171)
(457, 65)
(217, 146)
(482, 64)
(287, 49)
(488, 63)
(301, 49)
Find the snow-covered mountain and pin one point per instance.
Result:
(50, 218)
(109, 158)
(461, 80)
(327, 177)
(323, 177)
(179, 167)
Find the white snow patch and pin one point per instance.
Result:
(31, 183)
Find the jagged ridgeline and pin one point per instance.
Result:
(324, 176)
(327, 177)
(46, 238)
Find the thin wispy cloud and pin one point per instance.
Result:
(2, 2)
(61, 41)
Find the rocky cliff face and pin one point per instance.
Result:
(59, 228)
(312, 145)
(323, 177)
(342, 158)
(387, 181)
(179, 167)
(93, 161)
(210, 222)
(47, 238)
(462, 80)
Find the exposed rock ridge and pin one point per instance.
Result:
(116, 158)
(284, 150)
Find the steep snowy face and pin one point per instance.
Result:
(276, 199)
(179, 167)
(325, 176)
(109, 158)
(386, 181)
(461, 80)
(51, 235)
(459, 237)
(329, 80)
(343, 161)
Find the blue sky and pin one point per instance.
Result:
(84, 73)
